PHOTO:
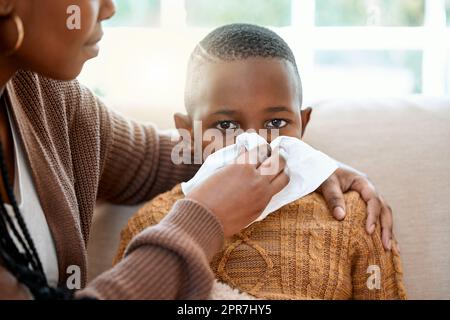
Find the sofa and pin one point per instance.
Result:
(402, 144)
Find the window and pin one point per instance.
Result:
(133, 13)
(207, 13)
(363, 12)
(389, 72)
(448, 11)
(343, 47)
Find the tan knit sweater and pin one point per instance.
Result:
(80, 151)
(297, 252)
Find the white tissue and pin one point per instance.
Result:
(306, 167)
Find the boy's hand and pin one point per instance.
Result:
(344, 180)
(239, 192)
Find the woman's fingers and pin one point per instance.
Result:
(370, 197)
(386, 225)
(279, 182)
(377, 209)
(373, 212)
(272, 166)
(332, 193)
(255, 156)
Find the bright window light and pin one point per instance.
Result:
(344, 48)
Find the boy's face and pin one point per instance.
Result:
(255, 93)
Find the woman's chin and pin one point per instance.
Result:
(91, 50)
(72, 70)
(67, 73)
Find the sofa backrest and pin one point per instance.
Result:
(403, 145)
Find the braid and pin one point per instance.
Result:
(27, 266)
(27, 243)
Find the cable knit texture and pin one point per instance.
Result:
(297, 252)
(80, 152)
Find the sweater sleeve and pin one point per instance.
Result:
(136, 162)
(376, 273)
(167, 261)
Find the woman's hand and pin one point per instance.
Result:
(239, 192)
(344, 180)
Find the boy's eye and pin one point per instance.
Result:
(275, 124)
(227, 125)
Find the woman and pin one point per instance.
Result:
(63, 150)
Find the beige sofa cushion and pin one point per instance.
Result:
(404, 147)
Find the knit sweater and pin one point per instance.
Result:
(298, 252)
(79, 152)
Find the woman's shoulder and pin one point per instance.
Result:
(32, 82)
(33, 90)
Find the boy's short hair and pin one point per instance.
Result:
(239, 41)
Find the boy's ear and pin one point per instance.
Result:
(182, 121)
(305, 116)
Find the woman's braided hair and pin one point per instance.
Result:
(23, 263)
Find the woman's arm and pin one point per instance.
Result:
(135, 158)
(168, 261)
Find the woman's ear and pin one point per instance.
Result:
(6, 7)
(305, 116)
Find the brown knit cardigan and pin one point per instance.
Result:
(80, 152)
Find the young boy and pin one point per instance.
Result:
(245, 77)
